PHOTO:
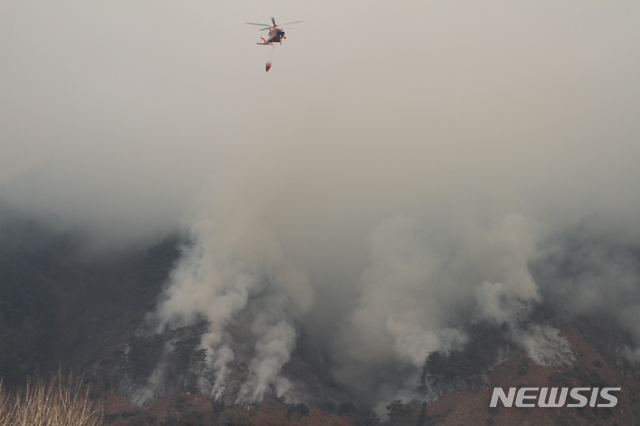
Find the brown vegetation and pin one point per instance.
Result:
(59, 401)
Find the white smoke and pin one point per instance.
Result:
(418, 290)
(400, 314)
(542, 343)
(234, 265)
(594, 269)
(544, 346)
(273, 350)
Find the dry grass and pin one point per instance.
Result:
(57, 402)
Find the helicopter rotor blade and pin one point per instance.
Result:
(253, 23)
(274, 21)
(288, 23)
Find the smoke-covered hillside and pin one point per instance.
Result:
(126, 320)
(62, 308)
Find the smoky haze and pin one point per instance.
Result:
(391, 178)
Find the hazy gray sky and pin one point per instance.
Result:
(387, 103)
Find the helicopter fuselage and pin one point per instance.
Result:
(276, 35)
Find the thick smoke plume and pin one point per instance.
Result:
(235, 273)
(418, 293)
(594, 269)
(418, 290)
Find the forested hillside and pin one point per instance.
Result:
(63, 306)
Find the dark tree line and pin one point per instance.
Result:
(464, 368)
(55, 298)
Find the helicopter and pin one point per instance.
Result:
(276, 33)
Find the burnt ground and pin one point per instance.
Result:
(591, 369)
